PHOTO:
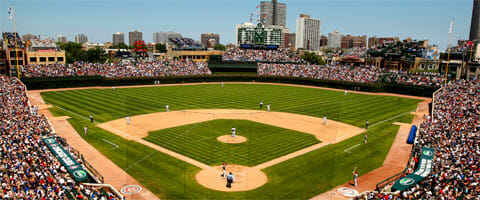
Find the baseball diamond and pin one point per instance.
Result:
(168, 165)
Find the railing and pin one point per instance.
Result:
(109, 187)
(398, 175)
(96, 174)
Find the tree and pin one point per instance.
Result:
(96, 55)
(73, 51)
(313, 58)
(119, 46)
(220, 47)
(161, 48)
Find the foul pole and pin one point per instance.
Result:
(449, 45)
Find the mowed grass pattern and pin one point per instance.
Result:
(355, 109)
(199, 141)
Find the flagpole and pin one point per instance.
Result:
(449, 45)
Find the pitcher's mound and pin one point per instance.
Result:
(245, 178)
(231, 140)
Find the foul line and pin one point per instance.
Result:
(352, 147)
(113, 144)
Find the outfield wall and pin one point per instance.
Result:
(70, 82)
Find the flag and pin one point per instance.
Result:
(451, 28)
(10, 13)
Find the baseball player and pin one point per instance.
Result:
(366, 124)
(85, 128)
(261, 105)
(268, 107)
(113, 88)
(222, 84)
(91, 118)
(167, 108)
(324, 120)
(345, 93)
(230, 179)
(128, 120)
(233, 131)
(355, 176)
(365, 138)
(224, 168)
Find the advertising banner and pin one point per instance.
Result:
(73, 167)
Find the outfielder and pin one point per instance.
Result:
(345, 93)
(113, 88)
(91, 118)
(233, 131)
(366, 125)
(167, 108)
(128, 120)
(261, 105)
(222, 84)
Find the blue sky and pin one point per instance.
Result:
(419, 19)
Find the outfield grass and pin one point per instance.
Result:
(199, 141)
(298, 178)
(355, 109)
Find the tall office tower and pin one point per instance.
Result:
(308, 33)
(81, 38)
(61, 38)
(118, 38)
(474, 25)
(134, 36)
(273, 13)
(334, 40)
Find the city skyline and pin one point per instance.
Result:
(99, 20)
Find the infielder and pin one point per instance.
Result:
(91, 118)
(85, 128)
(268, 107)
(324, 120)
(128, 120)
(233, 131)
(366, 125)
(365, 138)
(167, 108)
(261, 105)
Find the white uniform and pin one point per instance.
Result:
(85, 129)
(167, 107)
(268, 107)
(128, 119)
(222, 84)
(233, 131)
(324, 120)
(113, 88)
(345, 93)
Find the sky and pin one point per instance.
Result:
(99, 19)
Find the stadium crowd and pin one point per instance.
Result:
(361, 74)
(364, 74)
(255, 55)
(28, 169)
(139, 69)
(415, 78)
(454, 133)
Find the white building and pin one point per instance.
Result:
(308, 33)
(81, 38)
(334, 40)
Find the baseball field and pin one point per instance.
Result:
(270, 136)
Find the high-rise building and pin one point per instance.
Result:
(273, 13)
(247, 33)
(475, 23)
(61, 38)
(81, 38)
(323, 41)
(118, 38)
(134, 36)
(308, 33)
(334, 40)
(28, 36)
(209, 39)
(349, 41)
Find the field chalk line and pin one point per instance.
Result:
(352, 147)
(113, 144)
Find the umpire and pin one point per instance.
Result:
(229, 180)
